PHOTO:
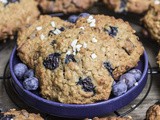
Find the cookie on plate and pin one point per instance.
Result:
(152, 22)
(135, 6)
(153, 113)
(15, 16)
(65, 6)
(30, 38)
(112, 118)
(123, 35)
(13, 114)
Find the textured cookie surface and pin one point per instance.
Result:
(66, 6)
(152, 22)
(112, 118)
(20, 115)
(78, 65)
(135, 6)
(153, 113)
(15, 16)
(30, 38)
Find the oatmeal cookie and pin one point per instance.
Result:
(152, 22)
(135, 6)
(66, 6)
(123, 35)
(19, 115)
(30, 38)
(153, 113)
(15, 16)
(112, 118)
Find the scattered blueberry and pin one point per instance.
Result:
(129, 79)
(70, 58)
(119, 88)
(28, 74)
(123, 6)
(73, 18)
(83, 15)
(7, 117)
(31, 83)
(86, 84)
(19, 70)
(137, 73)
(52, 61)
(112, 31)
(108, 66)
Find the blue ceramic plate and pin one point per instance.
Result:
(77, 110)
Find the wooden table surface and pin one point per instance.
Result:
(138, 114)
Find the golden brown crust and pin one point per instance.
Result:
(23, 115)
(16, 16)
(66, 6)
(153, 113)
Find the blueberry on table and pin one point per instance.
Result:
(19, 70)
(73, 18)
(119, 88)
(8, 117)
(31, 83)
(28, 74)
(86, 84)
(129, 79)
(137, 73)
(83, 15)
(52, 61)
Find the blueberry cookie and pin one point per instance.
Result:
(65, 6)
(15, 16)
(135, 6)
(152, 22)
(153, 113)
(125, 38)
(13, 114)
(30, 38)
(112, 118)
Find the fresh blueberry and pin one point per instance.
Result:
(129, 79)
(83, 15)
(119, 88)
(31, 83)
(86, 84)
(52, 61)
(123, 6)
(137, 73)
(28, 74)
(19, 70)
(73, 18)
(70, 58)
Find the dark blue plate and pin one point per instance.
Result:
(76, 110)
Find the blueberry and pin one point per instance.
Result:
(112, 31)
(129, 79)
(62, 29)
(70, 58)
(83, 15)
(137, 73)
(123, 5)
(73, 18)
(53, 42)
(119, 88)
(86, 84)
(8, 117)
(108, 66)
(28, 74)
(19, 70)
(52, 61)
(31, 83)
